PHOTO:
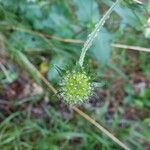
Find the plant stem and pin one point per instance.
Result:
(94, 33)
(96, 124)
(136, 48)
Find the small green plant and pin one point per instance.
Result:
(75, 86)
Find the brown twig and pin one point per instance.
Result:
(96, 124)
(77, 41)
(136, 48)
(44, 36)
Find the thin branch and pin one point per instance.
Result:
(77, 41)
(110, 135)
(136, 48)
(43, 35)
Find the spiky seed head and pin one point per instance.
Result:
(75, 87)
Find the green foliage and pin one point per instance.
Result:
(36, 32)
(101, 49)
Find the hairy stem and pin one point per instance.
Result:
(94, 33)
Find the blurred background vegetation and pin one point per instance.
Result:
(38, 35)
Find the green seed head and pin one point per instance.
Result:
(75, 87)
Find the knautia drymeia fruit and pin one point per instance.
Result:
(75, 87)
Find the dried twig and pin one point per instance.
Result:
(77, 41)
(136, 48)
(110, 135)
(43, 35)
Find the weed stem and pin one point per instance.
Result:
(94, 33)
(110, 135)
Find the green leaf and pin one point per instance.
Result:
(61, 25)
(101, 47)
(22, 40)
(128, 15)
(87, 10)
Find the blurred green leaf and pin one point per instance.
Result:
(128, 15)
(101, 47)
(87, 11)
